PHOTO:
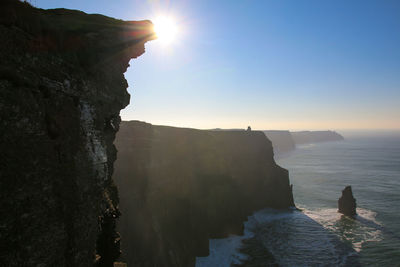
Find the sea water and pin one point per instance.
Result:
(316, 234)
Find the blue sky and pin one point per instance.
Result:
(269, 64)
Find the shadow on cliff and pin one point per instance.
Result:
(62, 86)
(179, 187)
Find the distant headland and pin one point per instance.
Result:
(286, 141)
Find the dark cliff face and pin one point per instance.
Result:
(282, 141)
(179, 187)
(309, 137)
(61, 90)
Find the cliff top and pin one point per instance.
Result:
(36, 20)
(74, 34)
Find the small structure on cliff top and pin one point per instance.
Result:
(347, 203)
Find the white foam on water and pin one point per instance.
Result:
(358, 230)
(296, 240)
(306, 238)
(225, 252)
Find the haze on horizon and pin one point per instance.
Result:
(269, 64)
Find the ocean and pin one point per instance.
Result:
(316, 234)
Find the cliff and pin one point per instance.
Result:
(179, 187)
(282, 141)
(61, 90)
(309, 137)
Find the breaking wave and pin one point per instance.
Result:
(300, 238)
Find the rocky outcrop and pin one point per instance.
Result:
(282, 141)
(347, 203)
(309, 137)
(61, 90)
(179, 187)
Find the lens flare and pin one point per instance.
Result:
(165, 29)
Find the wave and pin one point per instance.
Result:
(300, 238)
(359, 230)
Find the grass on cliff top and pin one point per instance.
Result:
(31, 19)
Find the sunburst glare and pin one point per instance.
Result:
(166, 29)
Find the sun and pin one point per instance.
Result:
(165, 29)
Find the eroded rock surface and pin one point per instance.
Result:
(61, 90)
(179, 187)
(347, 203)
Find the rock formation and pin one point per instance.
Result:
(61, 90)
(309, 137)
(347, 203)
(179, 187)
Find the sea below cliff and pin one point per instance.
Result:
(316, 234)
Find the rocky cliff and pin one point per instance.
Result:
(179, 187)
(282, 141)
(309, 137)
(61, 90)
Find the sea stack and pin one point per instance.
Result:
(347, 203)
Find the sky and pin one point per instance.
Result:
(270, 64)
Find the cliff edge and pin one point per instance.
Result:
(179, 187)
(61, 90)
(282, 141)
